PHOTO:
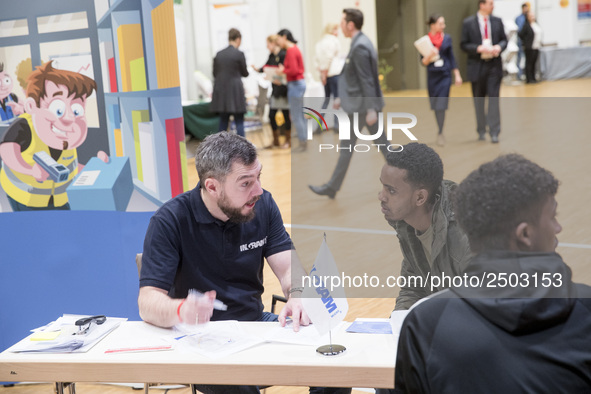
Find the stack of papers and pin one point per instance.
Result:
(60, 336)
(272, 74)
(425, 47)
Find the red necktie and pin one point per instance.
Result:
(485, 29)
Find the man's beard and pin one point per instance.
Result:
(234, 214)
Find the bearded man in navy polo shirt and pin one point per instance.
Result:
(214, 239)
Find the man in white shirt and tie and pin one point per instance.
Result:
(483, 39)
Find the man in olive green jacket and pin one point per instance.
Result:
(416, 201)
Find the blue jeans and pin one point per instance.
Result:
(295, 96)
(238, 119)
(520, 55)
(331, 88)
(223, 389)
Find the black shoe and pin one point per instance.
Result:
(494, 139)
(323, 190)
(481, 137)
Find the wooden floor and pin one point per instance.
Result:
(547, 122)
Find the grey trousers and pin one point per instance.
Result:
(346, 150)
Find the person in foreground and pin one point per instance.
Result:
(214, 239)
(526, 329)
(415, 200)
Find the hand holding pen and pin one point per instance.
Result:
(198, 307)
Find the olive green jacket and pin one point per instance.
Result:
(450, 252)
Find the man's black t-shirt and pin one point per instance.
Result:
(187, 248)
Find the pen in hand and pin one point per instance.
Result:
(217, 304)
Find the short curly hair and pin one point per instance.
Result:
(216, 154)
(491, 202)
(424, 168)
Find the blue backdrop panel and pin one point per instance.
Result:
(80, 262)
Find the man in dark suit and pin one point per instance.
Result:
(229, 66)
(360, 92)
(483, 39)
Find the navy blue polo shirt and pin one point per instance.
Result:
(187, 248)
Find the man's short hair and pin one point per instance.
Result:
(354, 15)
(424, 168)
(234, 34)
(216, 154)
(491, 202)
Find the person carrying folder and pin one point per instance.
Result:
(440, 64)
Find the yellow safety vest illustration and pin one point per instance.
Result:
(25, 189)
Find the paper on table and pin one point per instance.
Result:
(396, 320)
(425, 47)
(66, 341)
(45, 335)
(370, 326)
(307, 335)
(215, 339)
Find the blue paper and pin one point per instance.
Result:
(370, 327)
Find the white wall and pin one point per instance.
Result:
(559, 24)
(320, 13)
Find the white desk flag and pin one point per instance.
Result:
(324, 298)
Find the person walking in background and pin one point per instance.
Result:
(520, 21)
(229, 66)
(329, 63)
(278, 94)
(360, 94)
(293, 67)
(483, 39)
(439, 71)
(531, 36)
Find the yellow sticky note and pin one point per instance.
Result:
(45, 335)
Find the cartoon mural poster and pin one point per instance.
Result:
(100, 124)
(38, 150)
(9, 105)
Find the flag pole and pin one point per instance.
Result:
(330, 349)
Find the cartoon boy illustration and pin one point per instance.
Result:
(45, 139)
(9, 105)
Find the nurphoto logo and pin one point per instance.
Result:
(395, 122)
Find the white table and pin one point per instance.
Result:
(368, 362)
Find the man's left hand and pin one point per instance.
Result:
(294, 309)
(17, 109)
(496, 50)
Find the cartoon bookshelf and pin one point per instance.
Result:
(137, 44)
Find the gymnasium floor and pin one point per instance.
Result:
(547, 122)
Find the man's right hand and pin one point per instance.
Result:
(39, 173)
(197, 310)
(336, 103)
